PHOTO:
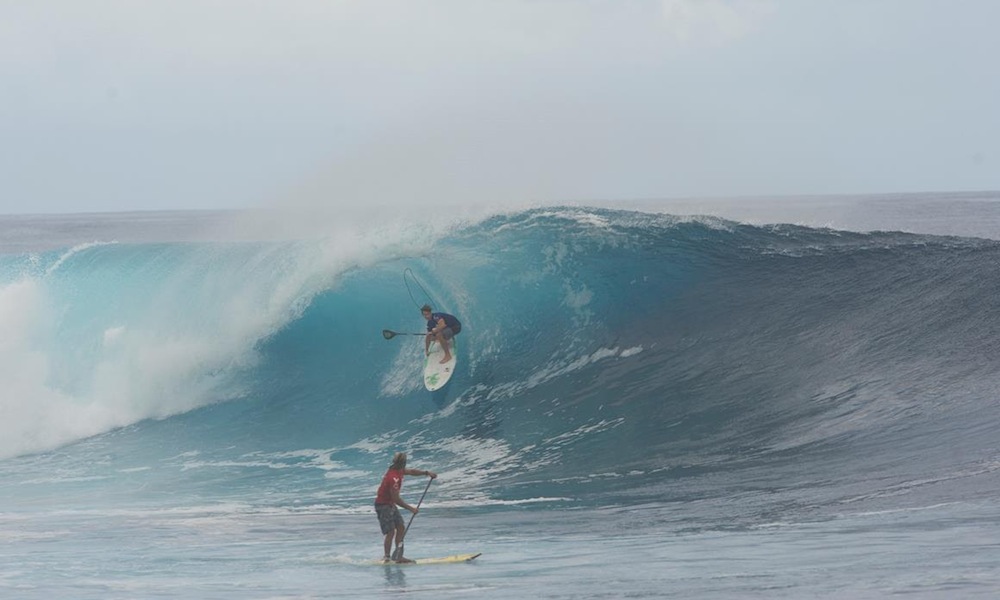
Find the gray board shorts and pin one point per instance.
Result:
(388, 517)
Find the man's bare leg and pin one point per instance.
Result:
(388, 544)
(446, 347)
(400, 533)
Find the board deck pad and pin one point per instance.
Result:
(437, 375)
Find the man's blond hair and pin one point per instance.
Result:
(398, 461)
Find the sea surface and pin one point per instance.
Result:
(791, 398)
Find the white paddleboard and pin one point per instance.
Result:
(437, 375)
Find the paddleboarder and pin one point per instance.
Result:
(441, 327)
(386, 501)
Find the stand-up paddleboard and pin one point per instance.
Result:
(457, 558)
(437, 375)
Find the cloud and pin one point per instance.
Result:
(713, 22)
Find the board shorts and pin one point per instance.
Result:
(449, 332)
(388, 517)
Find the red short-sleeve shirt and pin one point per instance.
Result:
(393, 480)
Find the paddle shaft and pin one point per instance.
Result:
(419, 502)
(399, 551)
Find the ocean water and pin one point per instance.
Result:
(743, 404)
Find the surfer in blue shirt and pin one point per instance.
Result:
(441, 327)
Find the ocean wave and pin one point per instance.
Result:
(602, 352)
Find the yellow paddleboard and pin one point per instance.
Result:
(457, 558)
(447, 559)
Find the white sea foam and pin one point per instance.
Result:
(562, 368)
(581, 431)
(404, 376)
(34, 415)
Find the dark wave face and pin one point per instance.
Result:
(606, 357)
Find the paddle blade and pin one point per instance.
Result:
(388, 334)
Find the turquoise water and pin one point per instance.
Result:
(643, 552)
(646, 406)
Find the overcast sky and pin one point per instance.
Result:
(115, 105)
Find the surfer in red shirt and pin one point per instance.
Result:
(388, 498)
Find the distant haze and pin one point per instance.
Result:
(116, 105)
(958, 214)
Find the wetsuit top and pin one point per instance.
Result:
(449, 321)
(393, 480)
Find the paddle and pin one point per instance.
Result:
(391, 334)
(398, 552)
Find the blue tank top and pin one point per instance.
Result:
(449, 321)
